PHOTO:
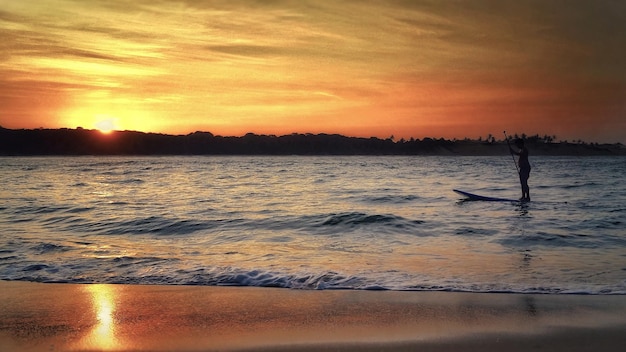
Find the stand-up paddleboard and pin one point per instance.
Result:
(471, 196)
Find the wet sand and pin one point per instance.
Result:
(71, 317)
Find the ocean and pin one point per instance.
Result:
(316, 222)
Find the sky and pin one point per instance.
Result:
(440, 68)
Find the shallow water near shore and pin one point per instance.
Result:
(316, 222)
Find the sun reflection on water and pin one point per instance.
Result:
(103, 335)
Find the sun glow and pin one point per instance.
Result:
(105, 124)
(107, 119)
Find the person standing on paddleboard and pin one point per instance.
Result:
(524, 167)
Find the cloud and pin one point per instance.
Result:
(416, 61)
(248, 50)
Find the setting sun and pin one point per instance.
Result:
(106, 125)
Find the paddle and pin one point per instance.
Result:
(512, 156)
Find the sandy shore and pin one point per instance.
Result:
(61, 317)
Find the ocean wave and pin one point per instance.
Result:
(392, 199)
(356, 219)
(35, 267)
(70, 220)
(39, 210)
(44, 248)
(138, 262)
(76, 210)
(472, 231)
(547, 239)
(131, 270)
(127, 181)
(11, 257)
(156, 225)
(589, 184)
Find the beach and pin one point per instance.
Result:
(78, 317)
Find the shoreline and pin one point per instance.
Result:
(89, 317)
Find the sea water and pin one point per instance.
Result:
(316, 222)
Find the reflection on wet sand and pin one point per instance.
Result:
(103, 335)
(67, 317)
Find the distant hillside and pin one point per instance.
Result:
(92, 142)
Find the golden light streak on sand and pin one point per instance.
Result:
(103, 335)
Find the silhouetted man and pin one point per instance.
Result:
(524, 168)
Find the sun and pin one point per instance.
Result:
(106, 124)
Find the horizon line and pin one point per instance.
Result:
(392, 138)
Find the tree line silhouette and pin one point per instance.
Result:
(93, 142)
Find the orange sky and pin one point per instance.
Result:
(360, 68)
